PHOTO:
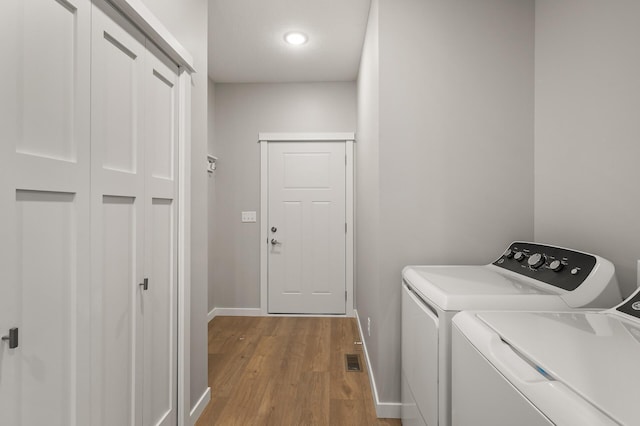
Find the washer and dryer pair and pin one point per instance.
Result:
(527, 277)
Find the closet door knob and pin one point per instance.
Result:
(12, 338)
(145, 284)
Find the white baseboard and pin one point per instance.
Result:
(196, 411)
(257, 312)
(384, 410)
(234, 312)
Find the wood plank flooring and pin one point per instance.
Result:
(287, 372)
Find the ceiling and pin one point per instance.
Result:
(246, 40)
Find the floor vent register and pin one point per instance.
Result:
(353, 362)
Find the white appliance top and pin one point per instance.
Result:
(477, 287)
(594, 355)
(527, 276)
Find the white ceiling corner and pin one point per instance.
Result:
(246, 42)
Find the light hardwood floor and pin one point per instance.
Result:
(286, 372)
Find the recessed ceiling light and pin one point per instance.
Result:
(295, 38)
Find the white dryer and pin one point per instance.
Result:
(527, 276)
(547, 368)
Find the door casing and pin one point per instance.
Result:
(264, 139)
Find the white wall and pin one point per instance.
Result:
(187, 21)
(587, 132)
(368, 235)
(241, 112)
(455, 150)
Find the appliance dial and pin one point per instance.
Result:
(508, 254)
(575, 271)
(536, 260)
(519, 256)
(556, 266)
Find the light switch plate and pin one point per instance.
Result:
(248, 217)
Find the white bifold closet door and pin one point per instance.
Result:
(134, 226)
(44, 212)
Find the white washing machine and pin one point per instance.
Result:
(527, 276)
(547, 368)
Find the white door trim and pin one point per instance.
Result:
(306, 137)
(264, 139)
(184, 250)
(154, 30)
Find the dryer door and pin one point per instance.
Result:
(419, 361)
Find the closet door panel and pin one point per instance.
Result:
(121, 119)
(119, 311)
(46, 32)
(160, 318)
(117, 135)
(160, 304)
(118, 65)
(161, 110)
(47, 289)
(44, 212)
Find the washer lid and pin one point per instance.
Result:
(596, 355)
(479, 288)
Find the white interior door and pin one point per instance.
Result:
(160, 302)
(118, 181)
(307, 231)
(44, 212)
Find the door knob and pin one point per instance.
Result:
(145, 284)
(12, 338)
(274, 242)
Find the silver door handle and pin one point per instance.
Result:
(12, 338)
(274, 242)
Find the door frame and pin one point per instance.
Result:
(349, 139)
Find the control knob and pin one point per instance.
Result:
(508, 254)
(556, 265)
(536, 260)
(519, 256)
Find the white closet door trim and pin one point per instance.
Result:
(184, 251)
(140, 15)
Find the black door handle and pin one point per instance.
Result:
(12, 338)
(145, 284)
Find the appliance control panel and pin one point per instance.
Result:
(559, 267)
(631, 306)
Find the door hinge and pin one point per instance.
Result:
(345, 295)
(345, 227)
(345, 160)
